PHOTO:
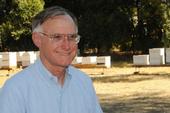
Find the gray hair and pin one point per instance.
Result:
(50, 12)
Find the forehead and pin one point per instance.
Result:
(59, 18)
(63, 22)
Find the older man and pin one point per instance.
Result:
(51, 84)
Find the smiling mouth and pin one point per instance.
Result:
(65, 54)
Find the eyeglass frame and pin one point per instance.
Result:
(52, 37)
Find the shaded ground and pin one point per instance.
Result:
(142, 93)
(142, 103)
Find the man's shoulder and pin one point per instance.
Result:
(21, 77)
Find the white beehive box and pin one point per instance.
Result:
(25, 59)
(5, 59)
(77, 60)
(37, 53)
(89, 60)
(167, 53)
(0, 60)
(12, 59)
(157, 56)
(104, 60)
(8, 59)
(32, 56)
(141, 59)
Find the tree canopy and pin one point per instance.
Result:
(129, 25)
(15, 24)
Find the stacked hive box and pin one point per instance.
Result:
(25, 59)
(29, 58)
(77, 60)
(167, 55)
(157, 56)
(141, 59)
(104, 60)
(0, 60)
(12, 59)
(37, 53)
(89, 60)
(33, 56)
(19, 58)
(4, 60)
(8, 59)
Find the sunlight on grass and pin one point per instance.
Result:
(3, 79)
(5, 74)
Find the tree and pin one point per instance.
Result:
(15, 26)
(150, 26)
(126, 24)
(166, 24)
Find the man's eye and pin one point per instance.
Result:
(57, 37)
(72, 37)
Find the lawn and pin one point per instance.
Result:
(130, 89)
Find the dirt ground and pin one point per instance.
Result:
(133, 90)
(129, 89)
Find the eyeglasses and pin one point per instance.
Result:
(72, 38)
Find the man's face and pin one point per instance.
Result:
(59, 53)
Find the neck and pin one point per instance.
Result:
(57, 71)
(60, 74)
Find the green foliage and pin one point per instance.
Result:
(16, 23)
(150, 27)
(101, 23)
(130, 25)
(166, 25)
(125, 24)
(105, 23)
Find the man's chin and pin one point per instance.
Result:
(65, 65)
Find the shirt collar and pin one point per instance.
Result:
(48, 75)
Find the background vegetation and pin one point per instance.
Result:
(104, 25)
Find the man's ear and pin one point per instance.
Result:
(36, 39)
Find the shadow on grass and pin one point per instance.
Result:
(147, 103)
(129, 78)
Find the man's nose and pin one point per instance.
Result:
(65, 43)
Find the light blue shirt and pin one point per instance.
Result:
(36, 90)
